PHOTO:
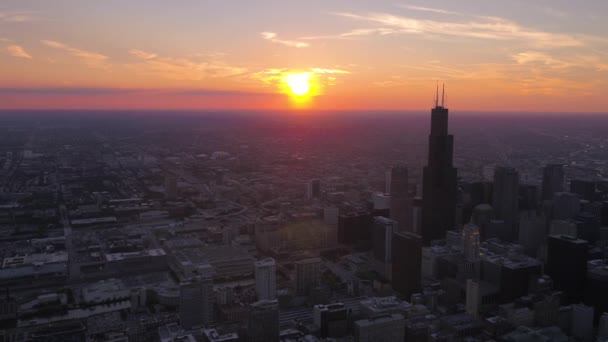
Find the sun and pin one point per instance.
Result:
(299, 84)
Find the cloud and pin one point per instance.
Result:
(18, 51)
(489, 28)
(142, 54)
(322, 76)
(534, 57)
(5, 40)
(429, 9)
(50, 91)
(271, 36)
(16, 17)
(183, 68)
(92, 59)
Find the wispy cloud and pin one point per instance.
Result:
(183, 68)
(490, 28)
(142, 54)
(273, 37)
(18, 51)
(4, 40)
(16, 17)
(429, 9)
(92, 59)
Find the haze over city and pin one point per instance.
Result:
(319, 171)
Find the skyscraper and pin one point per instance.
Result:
(470, 241)
(382, 236)
(308, 275)
(265, 279)
(567, 265)
(263, 322)
(401, 201)
(406, 264)
(313, 188)
(439, 179)
(505, 198)
(196, 302)
(553, 180)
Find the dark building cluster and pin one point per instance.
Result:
(188, 230)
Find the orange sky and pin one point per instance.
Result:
(492, 55)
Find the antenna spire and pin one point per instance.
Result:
(443, 96)
(437, 96)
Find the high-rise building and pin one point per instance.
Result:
(383, 328)
(171, 186)
(387, 181)
(308, 275)
(265, 279)
(566, 205)
(553, 180)
(439, 187)
(196, 302)
(582, 322)
(313, 189)
(263, 322)
(473, 298)
(470, 242)
(482, 215)
(331, 320)
(406, 263)
(567, 265)
(382, 237)
(584, 188)
(400, 199)
(505, 198)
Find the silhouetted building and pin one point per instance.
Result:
(482, 215)
(470, 242)
(553, 180)
(584, 188)
(567, 265)
(528, 197)
(400, 199)
(331, 320)
(505, 197)
(406, 260)
(382, 235)
(265, 279)
(263, 322)
(196, 302)
(355, 228)
(596, 288)
(384, 328)
(566, 205)
(308, 275)
(439, 188)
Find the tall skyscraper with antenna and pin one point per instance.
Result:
(439, 177)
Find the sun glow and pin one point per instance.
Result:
(299, 84)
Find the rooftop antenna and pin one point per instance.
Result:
(437, 96)
(443, 96)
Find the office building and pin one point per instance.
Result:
(313, 189)
(265, 279)
(584, 188)
(406, 262)
(505, 197)
(582, 322)
(401, 201)
(196, 302)
(308, 275)
(567, 265)
(171, 186)
(470, 241)
(553, 181)
(384, 328)
(566, 205)
(473, 298)
(263, 322)
(439, 188)
(331, 320)
(382, 236)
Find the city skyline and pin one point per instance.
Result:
(515, 56)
